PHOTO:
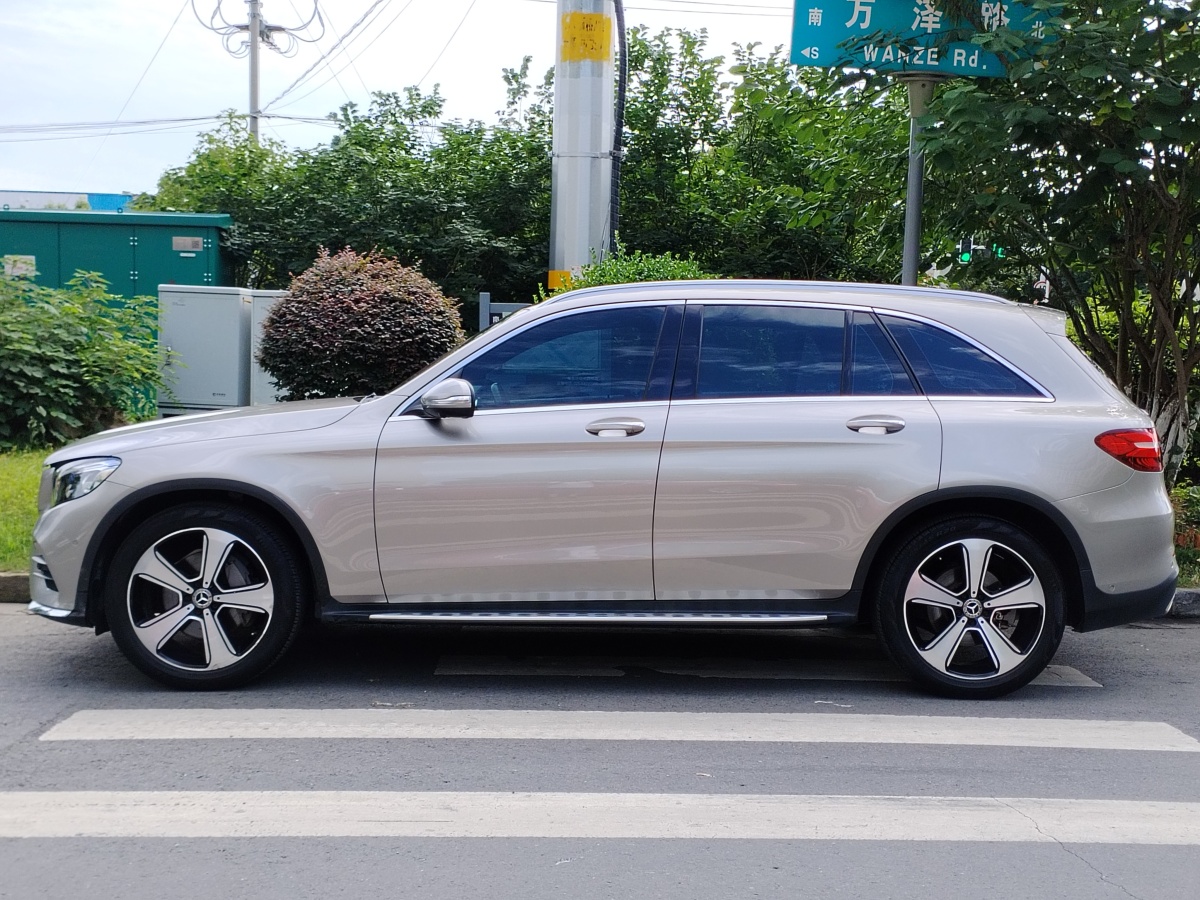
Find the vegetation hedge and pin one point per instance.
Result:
(623, 266)
(356, 324)
(73, 361)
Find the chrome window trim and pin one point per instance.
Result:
(827, 398)
(991, 398)
(1032, 382)
(784, 398)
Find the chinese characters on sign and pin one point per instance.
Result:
(586, 37)
(902, 35)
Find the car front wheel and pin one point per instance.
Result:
(971, 607)
(204, 596)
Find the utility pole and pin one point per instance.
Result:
(581, 179)
(254, 26)
(258, 32)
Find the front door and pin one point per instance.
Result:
(546, 494)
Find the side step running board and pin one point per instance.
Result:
(567, 618)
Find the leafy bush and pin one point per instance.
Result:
(1185, 497)
(354, 325)
(624, 267)
(74, 360)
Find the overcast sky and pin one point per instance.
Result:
(66, 62)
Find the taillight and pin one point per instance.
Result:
(1138, 448)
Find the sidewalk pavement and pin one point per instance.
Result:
(14, 588)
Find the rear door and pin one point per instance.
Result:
(794, 431)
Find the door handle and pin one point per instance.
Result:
(616, 427)
(876, 424)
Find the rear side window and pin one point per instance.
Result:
(759, 351)
(875, 367)
(946, 364)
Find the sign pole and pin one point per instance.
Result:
(920, 93)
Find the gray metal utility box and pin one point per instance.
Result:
(205, 332)
(211, 335)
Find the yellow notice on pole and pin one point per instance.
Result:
(558, 278)
(586, 37)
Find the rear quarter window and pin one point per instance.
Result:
(946, 364)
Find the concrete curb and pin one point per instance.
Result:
(1187, 604)
(14, 588)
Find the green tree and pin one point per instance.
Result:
(775, 172)
(1085, 165)
(466, 202)
(231, 173)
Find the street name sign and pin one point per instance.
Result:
(903, 35)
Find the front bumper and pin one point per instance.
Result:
(45, 598)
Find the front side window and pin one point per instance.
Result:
(600, 356)
(946, 364)
(770, 351)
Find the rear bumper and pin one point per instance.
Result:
(1102, 610)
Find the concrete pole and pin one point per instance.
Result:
(581, 184)
(920, 93)
(255, 26)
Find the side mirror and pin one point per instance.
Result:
(453, 398)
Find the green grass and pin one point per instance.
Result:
(19, 474)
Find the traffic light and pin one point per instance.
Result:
(968, 250)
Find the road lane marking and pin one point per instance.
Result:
(577, 725)
(779, 670)
(236, 814)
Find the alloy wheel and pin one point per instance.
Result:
(200, 599)
(974, 609)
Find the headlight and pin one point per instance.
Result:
(80, 477)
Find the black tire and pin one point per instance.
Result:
(970, 607)
(205, 596)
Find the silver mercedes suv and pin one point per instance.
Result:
(945, 466)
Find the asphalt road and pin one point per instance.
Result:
(529, 763)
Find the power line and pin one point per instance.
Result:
(448, 43)
(297, 12)
(42, 128)
(328, 53)
(218, 24)
(357, 74)
(121, 129)
(352, 58)
(141, 78)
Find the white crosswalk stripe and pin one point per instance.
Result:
(190, 814)
(575, 725)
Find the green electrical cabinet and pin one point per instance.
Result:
(135, 252)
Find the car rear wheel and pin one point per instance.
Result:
(205, 596)
(970, 607)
